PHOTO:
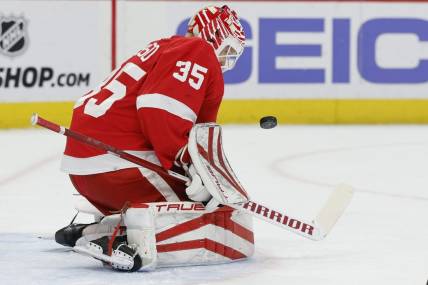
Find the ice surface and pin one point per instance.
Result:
(381, 239)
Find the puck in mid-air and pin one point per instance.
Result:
(268, 122)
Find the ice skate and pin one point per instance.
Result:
(123, 257)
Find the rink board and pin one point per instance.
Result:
(339, 62)
(17, 115)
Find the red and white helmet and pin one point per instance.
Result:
(220, 27)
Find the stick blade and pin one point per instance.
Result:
(333, 209)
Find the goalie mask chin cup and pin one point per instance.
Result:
(221, 28)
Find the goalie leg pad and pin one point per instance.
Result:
(140, 231)
(169, 234)
(218, 237)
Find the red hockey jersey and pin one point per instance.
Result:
(147, 106)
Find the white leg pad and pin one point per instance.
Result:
(186, 239)
(140, 230)
(182, 234)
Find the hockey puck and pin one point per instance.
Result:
(268, 122)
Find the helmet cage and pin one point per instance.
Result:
(228, 53)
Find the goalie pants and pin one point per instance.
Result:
(110, 191)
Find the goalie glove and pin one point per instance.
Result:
(196, 190)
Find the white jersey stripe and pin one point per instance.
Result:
(168, 104)
(160, 184)
(134, 71)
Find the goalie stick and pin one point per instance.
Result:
(316, 230)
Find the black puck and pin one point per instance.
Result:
(268, 122)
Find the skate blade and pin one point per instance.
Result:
(103, 257)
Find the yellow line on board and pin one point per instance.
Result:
(17, 115)
(311, 111)
(287, 111)
(398, 111)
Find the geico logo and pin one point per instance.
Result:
(345, 50)
(189, 206)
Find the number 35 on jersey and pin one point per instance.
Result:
(197, 73)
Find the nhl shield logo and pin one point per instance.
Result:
(13, 36)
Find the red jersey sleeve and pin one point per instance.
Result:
(184, 87)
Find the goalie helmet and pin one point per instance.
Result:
(220, 27)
